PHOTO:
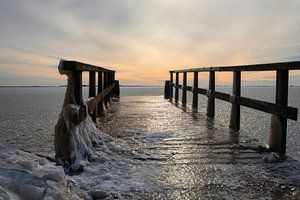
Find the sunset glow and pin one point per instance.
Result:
(142, 40)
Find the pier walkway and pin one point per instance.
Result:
(184, 156)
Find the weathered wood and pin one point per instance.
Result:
(79, 66)
(276, 109)
(211, 100)
(235, 108)
(195, 94)
(113, 81)
(100, 89)
(255, 67)
(117, 88)
(184, 82)
(100, 97)
(106, 84)
(77, 77)
(277, 138)
(171, 85)
(168, 89)
(285, 111)
(92, 91)
(176, 87)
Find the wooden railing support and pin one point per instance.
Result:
(106, 83)
(184, 83)
(167, 90)
(92, 91)
(171, 86)
(195, 93)
(77, 77)
(117, 88)
(210, 94)
(235, 108)
(280, 110)
(100, 89)
(277, 137)
(176, 87)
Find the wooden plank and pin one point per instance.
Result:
(280, 110)
(254, 67)
(195, 94)
(79, 66)
(100, 97)
(272, 108)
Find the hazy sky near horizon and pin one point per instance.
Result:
(144, 39)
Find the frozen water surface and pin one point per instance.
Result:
(162, 151)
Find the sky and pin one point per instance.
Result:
(143, 39)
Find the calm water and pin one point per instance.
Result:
(28, 115)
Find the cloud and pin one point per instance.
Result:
(146, 38)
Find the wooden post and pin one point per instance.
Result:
(277, 137)
(100, 89)
(171, 85)
(211, 100)
(184, 88)
(92, 91)
(167, 90)
(77, 77)
(105, 86)
(176, 87)
(117, 89)
(113, 81)
(235, 108)
(195, 94)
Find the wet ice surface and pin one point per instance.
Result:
(160, 151)
(178, 154)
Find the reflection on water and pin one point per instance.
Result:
(181, 155)
(28, 115)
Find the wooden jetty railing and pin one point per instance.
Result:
(280, 109)
(108, 87)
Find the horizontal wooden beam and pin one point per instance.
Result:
(276, 109)
(255, 67)
(79, 66)
(94, 101)
(272, 108)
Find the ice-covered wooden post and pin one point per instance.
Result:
(92, 92)
(100, 89)
(235, 107)
(195, 93)
(176, 87)
(77, 77)
(184, 84)
(277, 138)
(210, 94)
(105, 86)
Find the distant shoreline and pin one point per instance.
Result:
(124, 86)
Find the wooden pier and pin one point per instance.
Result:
(280, 110)
(107, 86)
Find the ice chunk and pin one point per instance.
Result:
(30, 192)
(28, 165)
